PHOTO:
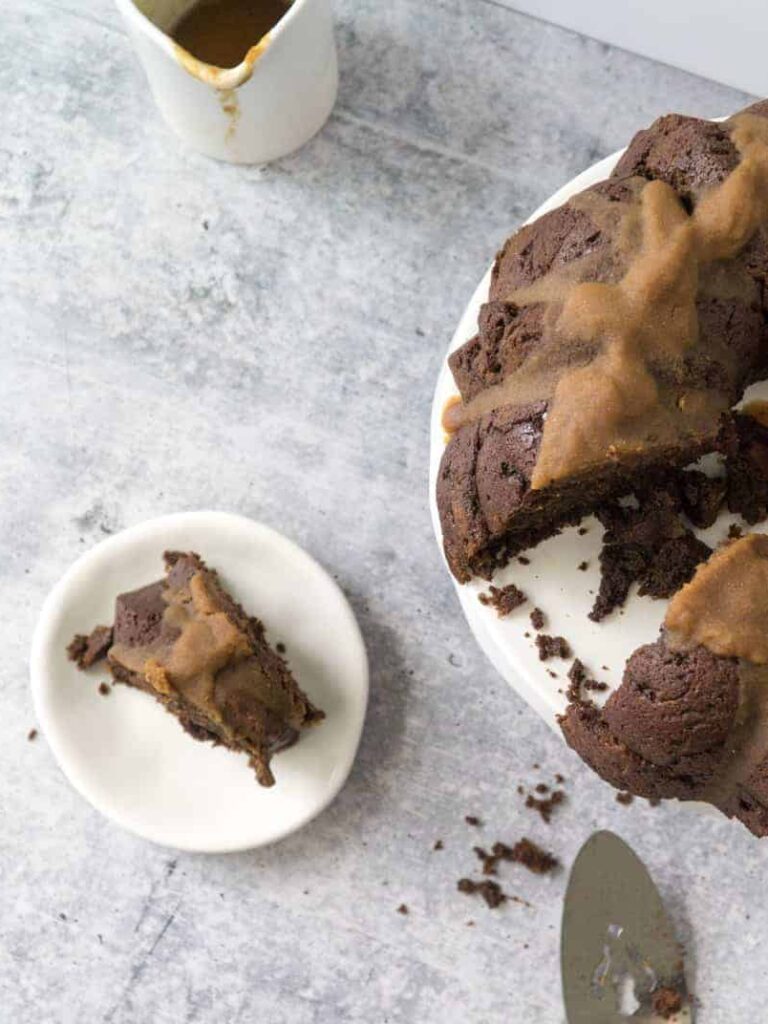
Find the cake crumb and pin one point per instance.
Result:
(490, 891)
(105, 689)
(438, 845)
(530, 855)
(624, 798)
(541, 787)
(538, 619)
(552, 647)
(524, 852)
(583, 566)
(488, 860)
(280, 648)
(402, 909)
(504, 599)
(523, 560)
(577, 673)
(85, 651)
(734, 532)
(472, 820)
(518, 899)
(32, 735)
(648, 544)
(545, 806)
(559, 779)
(581, 680)
(582, 530)
(667, 1002)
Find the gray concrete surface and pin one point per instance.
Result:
(178, 334)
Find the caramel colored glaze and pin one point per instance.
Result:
(201, 655)
(725, 606)
(537, 378)
(221, 32)
(223, 79)
(230, 106)
(758, 410)
(188, 643)
(609, 341)
(615, 402)
(454, 400)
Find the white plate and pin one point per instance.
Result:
(132, 760)
(553, 580)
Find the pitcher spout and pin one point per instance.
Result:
(223, 79)
(159, 18)
(265, 106)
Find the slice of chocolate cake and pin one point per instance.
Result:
(619, 331)
(690, 719)
(184, 640)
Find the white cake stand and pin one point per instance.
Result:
(553, 580)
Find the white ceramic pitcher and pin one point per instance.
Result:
(274, 101)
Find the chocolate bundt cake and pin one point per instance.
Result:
(618, 332)
(185, 641)
(690, 719)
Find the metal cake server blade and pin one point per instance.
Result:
(618, 947)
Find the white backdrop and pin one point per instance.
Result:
(717, 39)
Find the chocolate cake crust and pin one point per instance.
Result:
(690, 719)
(676, 708)
(490, 502)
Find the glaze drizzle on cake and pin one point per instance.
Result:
(620, 328)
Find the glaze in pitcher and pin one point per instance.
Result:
(271, 103)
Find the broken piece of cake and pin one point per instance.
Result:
(184, 640)
(690, 719)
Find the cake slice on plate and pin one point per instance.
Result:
(184, 640)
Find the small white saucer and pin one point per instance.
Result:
(131, 759)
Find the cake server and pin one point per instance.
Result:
(618, 949)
